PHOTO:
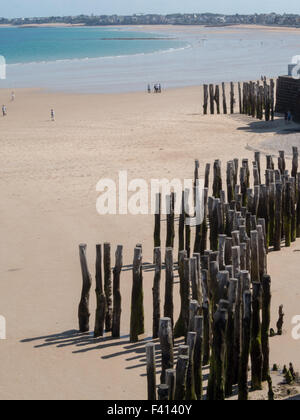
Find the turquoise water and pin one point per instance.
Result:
(104, 60)
(28, 45)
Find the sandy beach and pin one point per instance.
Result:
(49, 172)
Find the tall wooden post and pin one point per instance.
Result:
(117, 299)
(100, 296)
(266, 318)
(256, 346)
(169, 305)
(156, 291)
(151, 371)
(246, 338)
(108, 286)
(166, 344)
(137, 298)
(83, 310)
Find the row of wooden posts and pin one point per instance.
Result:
(255, 99)
(225, 289)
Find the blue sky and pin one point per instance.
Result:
(27, 8)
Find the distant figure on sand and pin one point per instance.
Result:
(13, 96)
(157, 88)
(52, 115)
(149, 88)
(4, 110)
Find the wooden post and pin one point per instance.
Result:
(166, 344)
(117, 299)
(181, 229)
(265, 327)
(278, 217)
(194, 310)
(212, 99)
(229, 378)
(181, 377)
(231, 98)
(228, 251)
(137, 298)
(83, 310)
(262, 252)
(157, 221)
(206, 318)
(256, 347)
(187, 226)
(207, 172)
(205, 100)
(279, 324)
(156, 292)
(295, 162)
(181, 327)
(204, 228)
(100, 296)
(224, 99)
(298, 206)
(163, 392)
(216, 383)
(257, 160)
(151, 371)
(108, 286)
(190, 382)
(288, 214)
(171, 382)
(281, 162)
(240, 98)
(198, 328)
(236, 260)
(217, 98)
(217, 184)
(196, 278)
(169, 305)
(255, 277)
(246, 338)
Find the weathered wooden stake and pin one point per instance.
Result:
(117, 299)
(83, 310)
(181, 377)
(166, 344)
(169, 305)
(171, 382)
(246, 338)
(265, 327)
(137, 298)
(256, 347)
(151, 371)
(156, 291)
(108, 286)
(100, 296)
(190, 383)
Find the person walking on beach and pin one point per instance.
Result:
(13, 96)
(52, 115)
(149, 88)
(4, 111)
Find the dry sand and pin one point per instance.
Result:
(49, 172)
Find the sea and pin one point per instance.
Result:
(118, 59)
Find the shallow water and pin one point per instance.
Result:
(188, 59)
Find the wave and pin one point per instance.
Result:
(91, 59)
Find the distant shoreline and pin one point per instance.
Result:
(155, 27)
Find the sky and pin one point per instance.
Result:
(30, 8)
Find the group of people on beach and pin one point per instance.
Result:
(156, 88)
(13, 97)
(4, 109)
